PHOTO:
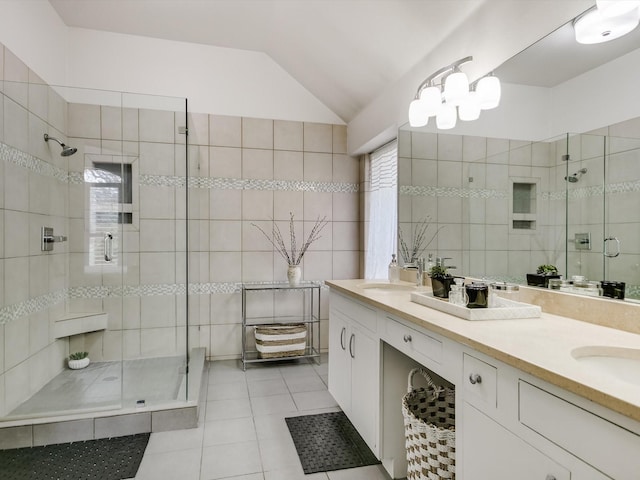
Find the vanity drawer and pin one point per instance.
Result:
(355, 311)
(600, 443)
(410, 341)
(480, 383)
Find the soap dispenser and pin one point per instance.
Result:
(427, 270)
(394, 270)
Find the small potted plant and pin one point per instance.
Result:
(542, 276)
(441, 281)
(78, 360)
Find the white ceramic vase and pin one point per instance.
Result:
(294, 273)
(78, 364)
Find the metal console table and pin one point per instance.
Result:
(281, 310)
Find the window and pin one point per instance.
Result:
(110, 201)
(382, 210)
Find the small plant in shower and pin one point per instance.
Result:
(419, 241)
(78, 360)
(293, 254)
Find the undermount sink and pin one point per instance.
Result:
(387, 287)
(617, 362)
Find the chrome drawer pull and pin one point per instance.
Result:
(342, 336)
(407, 338)
(476, 378)
(550, 477)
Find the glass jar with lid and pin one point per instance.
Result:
(505, 290)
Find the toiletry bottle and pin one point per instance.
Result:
(394, 270)
(427, 270)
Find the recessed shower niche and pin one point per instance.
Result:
(523, 205)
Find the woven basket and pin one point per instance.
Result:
(429, 426)
(281, 340)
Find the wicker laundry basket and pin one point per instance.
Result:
(429, 425)
(281, 340)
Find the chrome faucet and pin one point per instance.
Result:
(440, 262)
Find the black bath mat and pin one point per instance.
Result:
(104, 459)
(328, 442)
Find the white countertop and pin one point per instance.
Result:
(539, 346)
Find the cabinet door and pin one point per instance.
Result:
(365, 385)
(493, 453)
(339, 360)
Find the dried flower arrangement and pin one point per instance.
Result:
(418, 239)
(292, 255)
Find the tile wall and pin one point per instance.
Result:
(241, 171)
(464, 185)
(33, 193)
(252, 171)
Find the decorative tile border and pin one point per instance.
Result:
(41, 303)
(31, 306)
(425, 191)
(574, 193)
(218, 183)
(10, 154)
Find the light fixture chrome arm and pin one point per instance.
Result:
(428, 81)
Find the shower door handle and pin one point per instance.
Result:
(606, 252)
(108, 247)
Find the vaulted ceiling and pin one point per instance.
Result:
(345, 52)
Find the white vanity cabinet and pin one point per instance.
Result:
(491, 452)
(510, 424)
(354, 365)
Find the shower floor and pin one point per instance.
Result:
(109, 385)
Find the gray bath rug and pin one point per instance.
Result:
(104, 459)
(328, 442)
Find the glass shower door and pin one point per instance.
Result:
(585, 217)
(155, 331)
(621, 249)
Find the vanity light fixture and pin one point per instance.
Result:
(608, 21)
(453, 97)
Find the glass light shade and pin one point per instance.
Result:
(447, 117)
(488, 92)
(432, 98)
(613, 8)
(593, 27)
(456, 87)
(418, 116)
(469, 109)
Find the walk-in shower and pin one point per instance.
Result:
(66, 150)
(129, 312)
(574, 177)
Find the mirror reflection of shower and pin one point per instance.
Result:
(574, 177)
(66, 150)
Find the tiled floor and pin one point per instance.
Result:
(242, 434)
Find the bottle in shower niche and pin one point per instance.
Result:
(394, 270)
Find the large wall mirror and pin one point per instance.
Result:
(552, 176)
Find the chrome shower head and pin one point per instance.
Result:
(574, 177)
(66, 150)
